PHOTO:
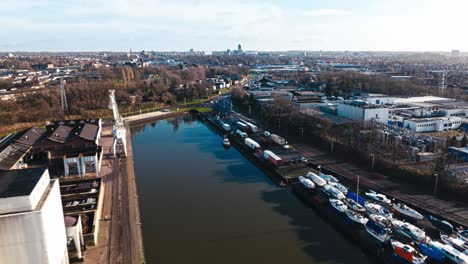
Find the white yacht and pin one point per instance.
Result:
(409, 230)
(355, 206)
(381, 198)
(449, 252)
(334, 192)
(316, 179)
(306, 182)
(356, 217)
(407, 211)
(456, 243)
(339, 186)
(338, 205)
(377, 227)
(373, 208)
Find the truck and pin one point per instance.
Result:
(251, 143)
(252, 127)
(226, 127)
(278, 140)
(272, 157)
(241, 133)
(242, 126)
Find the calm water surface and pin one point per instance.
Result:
(201, 203)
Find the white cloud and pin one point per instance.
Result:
(327, 12)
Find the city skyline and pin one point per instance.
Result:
(119, 25)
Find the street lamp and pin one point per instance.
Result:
(436, 175)
(373, 159)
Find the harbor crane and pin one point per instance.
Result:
(118, 130)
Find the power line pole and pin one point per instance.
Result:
(63, 96)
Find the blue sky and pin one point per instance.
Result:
(118, 25)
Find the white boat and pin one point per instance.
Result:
(456, 243)
(449, 252)
(334, 192)
(409, 230)
(378, 229)
(356, 217)
(407, 211)
(306, 182)
(463, 235)
(373, 208)
(338, 205)
(328, 178)
(339, 186)
(226, 142)
(408, 253)
(381, 220)
(355, 206)
(316, 179)
(381, 198)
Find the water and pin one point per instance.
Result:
(202, 204)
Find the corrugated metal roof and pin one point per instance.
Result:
(60, 134)
(89, 132)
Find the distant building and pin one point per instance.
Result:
(32, 225)
(432, 124)
(461, 154)
(362, 112)
(455, 53)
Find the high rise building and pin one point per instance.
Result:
(239, 48)
(32, 227)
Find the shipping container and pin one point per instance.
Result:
(278, 140)
(252, 127)
(242, 126)
(272, 157)
(241, 133)
(251, 143)
(226, 127)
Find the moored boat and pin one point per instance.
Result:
(356, 217)
(456, 243)
(409, 230)
(340, 187)
(328, 178)
(355, 206)
(442, 225)
(463, 234)
(408, 253)
(381, 198)
(316, 179)
(306, 182)
(449, 252)
(407, 211)
(338, 205)
(378, 230)
(334, 192)
(373, 208)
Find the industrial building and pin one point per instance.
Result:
(32, 226)
(432, 124)
(363, 112)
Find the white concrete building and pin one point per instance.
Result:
(362, 111)
(32, 228)
(432, 124)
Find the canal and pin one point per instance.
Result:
(201, 203)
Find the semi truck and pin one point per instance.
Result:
(272, 157)
(251, 143)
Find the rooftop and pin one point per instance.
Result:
(19, 182)
(60, 134)
(89, 131)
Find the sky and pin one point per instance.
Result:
(275, 25)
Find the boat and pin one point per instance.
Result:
(356, 217)
(463, 235)
(378, 230)
(339, 186)
(328, 178)
(338, 205)
(381, 198)
(409, 230)
(381, 220)
(408, 253)
(431, 253)
(442, 225)
(373, 208)
(449, 252)
(407, 211)
(306, 182)
(456, 243)
(316, 179)
(334, 192)
(355, 206)
(226, 142)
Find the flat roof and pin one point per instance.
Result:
(19, 182)
(89, 131)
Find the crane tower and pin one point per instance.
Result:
(119, 131)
